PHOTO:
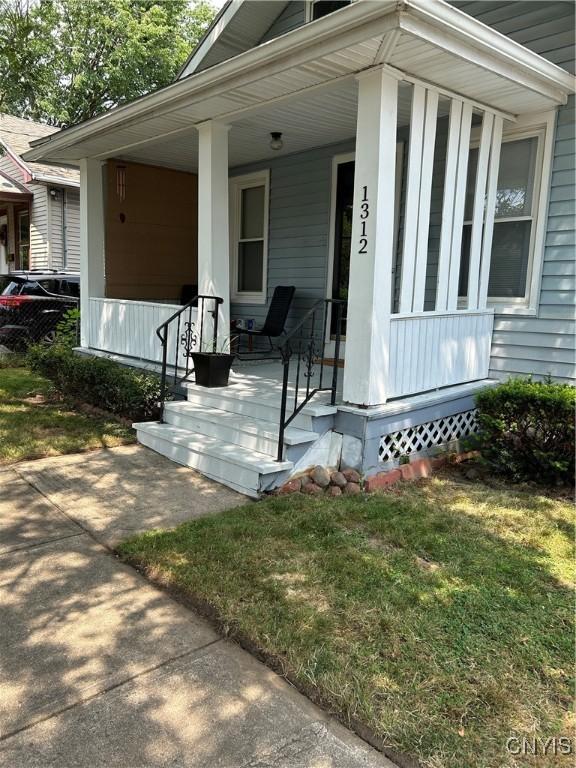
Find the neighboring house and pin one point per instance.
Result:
(424, 175)
(39, 204)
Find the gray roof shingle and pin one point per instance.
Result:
(17, 133)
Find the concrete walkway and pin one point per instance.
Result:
(100, 669)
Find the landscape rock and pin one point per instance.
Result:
(312, 489)
(352, 489)
(320, 476)
(472, 474)
(292, 486)
(351, 475)
(305, 480)
(334, 490)
(338, 479)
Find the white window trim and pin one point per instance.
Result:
(542, 126)
(236, 185)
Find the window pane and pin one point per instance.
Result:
(516, 178)
(250, 265)
(252, 213)
(509, 262)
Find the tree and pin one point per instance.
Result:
(64, 61)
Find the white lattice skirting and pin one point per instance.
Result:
(428, 435)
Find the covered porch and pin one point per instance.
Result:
(418, 100)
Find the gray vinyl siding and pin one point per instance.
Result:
(70, 199)
(39, 227)
(56, 238)
(293, 16)
(544, 26)
(73, 229)
(10, 168)
(299, 225)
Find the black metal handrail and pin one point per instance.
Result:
(189, 335)
(307, 341)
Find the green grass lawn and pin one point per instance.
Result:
(33, 423)
(438, 614)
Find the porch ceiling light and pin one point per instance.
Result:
(276, 140)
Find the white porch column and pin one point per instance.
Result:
(457, 152)
(372, 251)
(423, 120)
(92, 264)
(213, 228)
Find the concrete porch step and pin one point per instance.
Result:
(258, 402)
(249, 432)
(246, 471)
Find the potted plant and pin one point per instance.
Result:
(212, 367)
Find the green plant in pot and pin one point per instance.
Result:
(212, 366)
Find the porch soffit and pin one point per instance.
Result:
(307, 76)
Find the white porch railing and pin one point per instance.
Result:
(128, 328)
(438, 349)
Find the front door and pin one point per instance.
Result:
(342, 238)
(342, 204)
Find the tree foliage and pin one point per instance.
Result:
(64, 61)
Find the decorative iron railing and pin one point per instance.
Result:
(306, 344)
(185, 329)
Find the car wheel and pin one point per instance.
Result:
(49, 338)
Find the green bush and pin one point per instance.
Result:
(527, 430)
(99, 382)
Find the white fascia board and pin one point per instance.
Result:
(331, 32)
(502, 48)
(219, 24)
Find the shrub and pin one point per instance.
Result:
(99, 382)
(68, 329)
(527, 430)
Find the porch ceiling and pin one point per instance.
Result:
(302, 84)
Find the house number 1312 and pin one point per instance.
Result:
(364, 213)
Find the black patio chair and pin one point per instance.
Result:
(275, 319)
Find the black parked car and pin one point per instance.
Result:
(33, 303)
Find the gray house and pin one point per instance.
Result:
(39, 204)
(407, 166)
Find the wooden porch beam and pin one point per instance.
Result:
(213, 225)
(478, 230)
(430, 125)
(92, 248)
(491, 190)
(372, 251)
(458, 206)
(412, 197)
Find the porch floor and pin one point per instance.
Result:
(262, 379)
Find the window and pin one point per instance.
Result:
(319, 8)
(519, 220)
(249, 231)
